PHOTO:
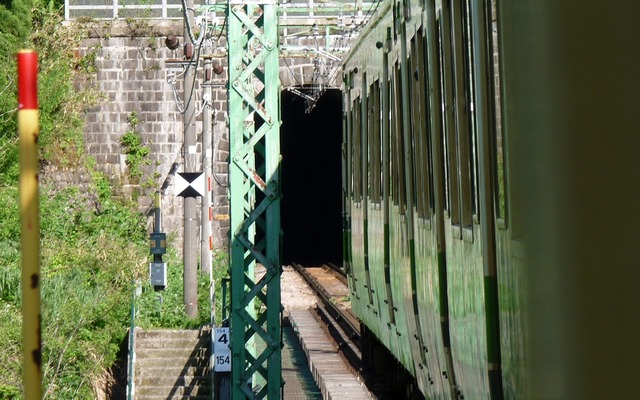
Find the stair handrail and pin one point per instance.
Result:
(212, 302)
(131, 359)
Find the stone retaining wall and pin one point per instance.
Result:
(132, 71)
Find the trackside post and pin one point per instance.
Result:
(29, 130)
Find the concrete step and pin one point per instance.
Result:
(161, 342)
(173, 352)
(189, 381)
(170, 391)
(174, 333)
(176, 397)
(175, 371)
(172, 362)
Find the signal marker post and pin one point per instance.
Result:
(29, 130)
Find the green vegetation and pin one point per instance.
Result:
(94, 244)
(89, 257)
(136, 152)
(169, 312)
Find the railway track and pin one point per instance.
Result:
(330, 285)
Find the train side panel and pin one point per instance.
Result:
(401, 286)
(378, 207)
(509, 248)
(511, 286)
(429, 257)
(367, 79)
(428, 292)
(467, 314)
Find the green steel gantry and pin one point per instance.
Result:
(254, 173)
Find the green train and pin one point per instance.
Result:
(491, 198)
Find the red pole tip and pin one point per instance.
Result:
(27, 80)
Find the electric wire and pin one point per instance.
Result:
(187, 21)
(295, 78)
(369, 14)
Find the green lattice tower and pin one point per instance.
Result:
(254, 175)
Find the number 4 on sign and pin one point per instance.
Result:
(220, 339)
(221, 350)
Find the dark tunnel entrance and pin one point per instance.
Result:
(311, 179)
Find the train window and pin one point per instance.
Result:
(460, 132)
(386, 102)
(393, 172)
(462, 95)
(407, 9)
(346, 154)
(449, 117)
(422, 154)
(364, 133)
(357, 151)
(348, 143)
(397, 144)
(441, 88)
(473, 140)
(414, 116)
(375, 142)
(393, 157)
(499, 161)
(396, 22)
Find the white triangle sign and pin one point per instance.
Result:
(190, 184)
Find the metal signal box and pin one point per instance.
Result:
(158, 274)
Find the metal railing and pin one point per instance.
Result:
(131, 365)
(122, 9)
(212, 305)
(304, 13)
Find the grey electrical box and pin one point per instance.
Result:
(158, 274)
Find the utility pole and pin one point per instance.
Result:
(207, 108)
(190, 222)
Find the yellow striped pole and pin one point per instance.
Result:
(28, 128)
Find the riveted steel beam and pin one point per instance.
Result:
(254, 171)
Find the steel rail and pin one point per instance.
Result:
(344, 320)
(338, 271)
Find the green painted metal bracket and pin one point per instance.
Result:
(254, 174)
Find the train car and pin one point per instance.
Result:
(419, 159)
(443, 243)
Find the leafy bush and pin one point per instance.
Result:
(9, 393)
(165, 309)
(61, 103)
(15, 22)
(88, 261)
(92, 245)
(135, 150)
(11, 354)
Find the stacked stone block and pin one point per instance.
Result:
(132, 74)
(132, 70)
